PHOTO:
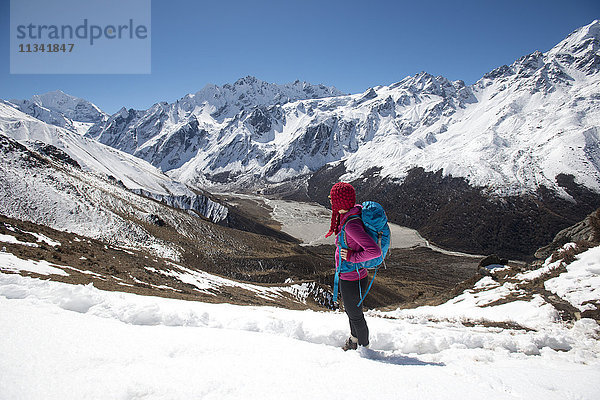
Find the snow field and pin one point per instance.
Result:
(10, 262)
(65, 341)
(581, 282)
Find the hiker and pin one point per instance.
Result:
(361, 247)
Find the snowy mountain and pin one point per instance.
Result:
(507, 132)
(516, 331)
(60, 109)
(168, 135)
(133, 173)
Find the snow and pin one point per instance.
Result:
(82, 127)
(512, 131)
(13, 240)
(203, 281)
(572, 43)
(78, 110)
(43, 238)
(486, 301)
(476, 305)
(94, 156)
(9, 262)
(64, 341)
(134, 173)
(210, 284)
(581, 282)
(547, 267)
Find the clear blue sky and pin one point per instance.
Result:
(352, 45)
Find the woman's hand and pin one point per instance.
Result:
(344, 254)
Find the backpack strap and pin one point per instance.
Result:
(362, 298)
(336, 282)
(336, 279)
(342, 244)
(343, 230)
(374, 273)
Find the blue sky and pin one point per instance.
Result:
(352, 45)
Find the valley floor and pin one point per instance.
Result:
(62, 341)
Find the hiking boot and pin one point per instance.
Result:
(351, 344)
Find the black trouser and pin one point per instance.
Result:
(351, 297)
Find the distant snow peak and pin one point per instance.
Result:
(63, 110)
(249, 92)
(170, 135)
(74, 108)
(504, 132)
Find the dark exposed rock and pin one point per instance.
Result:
(587, 230)
(116, 181)
(156, 220)
(55, 153)
(498, 72)
(259, 119)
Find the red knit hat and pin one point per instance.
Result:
(343, 197)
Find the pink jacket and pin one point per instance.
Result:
(361, 246)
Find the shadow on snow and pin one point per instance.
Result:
(396, 359)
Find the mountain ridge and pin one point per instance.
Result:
(175, 131)
(420, 120)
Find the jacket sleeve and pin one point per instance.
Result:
(369, 249)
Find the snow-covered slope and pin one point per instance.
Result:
(168, 135)
(60, 109)
(43, 190)
(68, 199)
(512, 131)
(133, 173)
(127, 346)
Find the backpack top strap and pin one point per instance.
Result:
(343, 230)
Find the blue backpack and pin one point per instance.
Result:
(376, 225)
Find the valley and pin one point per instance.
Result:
(416, 272)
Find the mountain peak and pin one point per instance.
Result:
(61, 109)
(247, 80)
(57, 92)
(426, 83)
(582, 41)
(54, 97)
(249, 91)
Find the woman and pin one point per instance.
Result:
(360, 247)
